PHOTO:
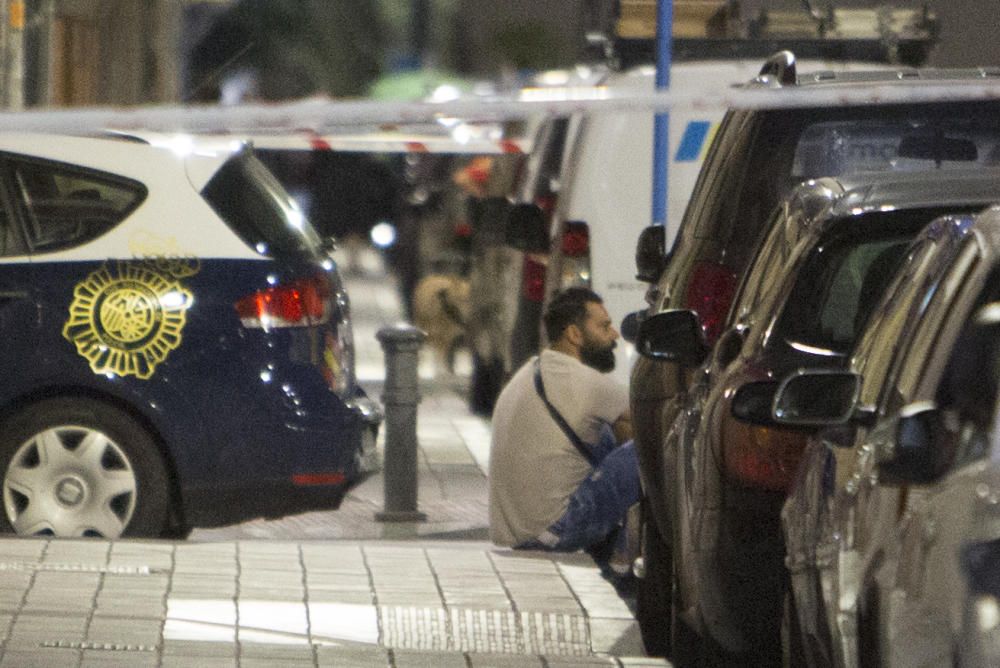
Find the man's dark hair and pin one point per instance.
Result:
(568, 307)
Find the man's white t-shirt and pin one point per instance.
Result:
(534, 468)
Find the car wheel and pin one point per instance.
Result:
(653, 595)
(76, 467)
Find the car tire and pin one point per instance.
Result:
(653, 596)
(78, 467)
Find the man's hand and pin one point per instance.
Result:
(623, 428)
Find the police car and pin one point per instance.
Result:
(177, 346)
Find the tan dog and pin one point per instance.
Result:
(441, 308)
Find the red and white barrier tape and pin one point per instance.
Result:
(323, 117)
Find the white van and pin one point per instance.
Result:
(605, 195)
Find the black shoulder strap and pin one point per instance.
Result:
(560, 420)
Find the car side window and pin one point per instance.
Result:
(64, 207)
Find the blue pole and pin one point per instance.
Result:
(661, 123)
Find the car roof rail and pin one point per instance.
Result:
(779, 68)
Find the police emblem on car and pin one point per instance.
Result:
(125, 320)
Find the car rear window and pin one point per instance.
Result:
(875, 145)
(258, 209)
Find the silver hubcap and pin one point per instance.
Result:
(70, 481)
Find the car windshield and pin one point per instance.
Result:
(876, 145)
(258, 209)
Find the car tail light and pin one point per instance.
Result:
(573, 263)
(762, 457)
(299, 303)
(575, 239)
(533, 278)
(463, 230)
(710, 294)
(547, 204)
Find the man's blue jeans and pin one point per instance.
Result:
(598, 507)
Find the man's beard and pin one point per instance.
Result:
(598, 357)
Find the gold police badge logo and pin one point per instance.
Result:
(125, 320)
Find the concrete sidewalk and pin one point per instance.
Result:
(333, 588)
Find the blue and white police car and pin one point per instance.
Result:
(177, 346)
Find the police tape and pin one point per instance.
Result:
(320, 116)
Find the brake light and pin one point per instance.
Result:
(298, 303)
(763, 457)
(576, 239)
(533, 279)
(710, 294)
(547, 204)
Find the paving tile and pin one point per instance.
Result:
(619, 637)
(206, 632)
(283, 654)
(197, 649)
(104, 659)
(176, 661)
(40, 658)
(418, 659)
(209, 620)
(273, 616)
(90, 550)
(354, 657)
(127, 631)
(336, 623)
(347, 597)
(32, 630)
(504, 661)
(133, 609)
(11, 599)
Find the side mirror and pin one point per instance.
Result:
(752, 402)
(651, 254)
(630, 326)
(674, 336)
(916, 451)
(817, 398)
(527, 229)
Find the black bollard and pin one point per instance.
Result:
(401, 394)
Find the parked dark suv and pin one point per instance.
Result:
(756, 158)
